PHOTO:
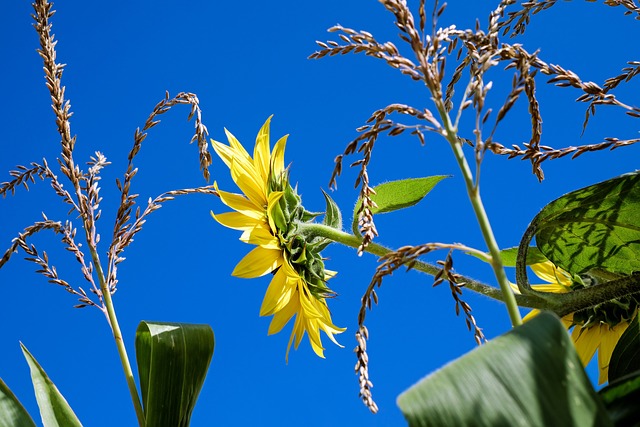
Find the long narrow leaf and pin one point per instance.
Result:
(54, 409)
(12, 413)
(173, 359)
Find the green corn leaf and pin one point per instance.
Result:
(395, 195)
(530, 376)
(12, 413)
(173, 359)
(54, 409)
(594, 228)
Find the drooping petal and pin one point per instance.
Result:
(283, 316)
(279, 293)
(608, 340)
(586, 341)
(313, 331)
(326, 324)
(258, 262)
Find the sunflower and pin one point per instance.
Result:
(266, 212)
(598, 328)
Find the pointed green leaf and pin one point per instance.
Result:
(12, 413)
(395, 195)
(333, 216)
(530, 376)
(625, 358)
(54, 409)
(173, 359)
(308, 216)
(621, 399)
(510, 255)
(594, 228)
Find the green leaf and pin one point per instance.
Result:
(510, 255)
(594, 228)
(333, 216)
(12, 413)
(395, 195)
(173, 359)
(625, 358)
(621, 399)
(530, 376)
(54, 409)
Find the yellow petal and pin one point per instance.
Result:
(329, 274)
(246, 178)
(261, 235)
(567, 320)
(278, 294)
(550, 273)
(550, 287)
(533, 313)
(313, 331)
(223, 151)
(609, 339)
(326, 323)
(237, 148)
(283, 316)
(277, 157)
(586, 341)
(236, 220)
(258, 262)
(261, 152)
(240, 203)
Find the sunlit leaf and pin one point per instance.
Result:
(594, 228)
(12, 413)
(530, 376)
(173, 359)
(54, 409)
(395, 195)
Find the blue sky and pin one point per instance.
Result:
(246, 61)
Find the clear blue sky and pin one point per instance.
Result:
(246, 61)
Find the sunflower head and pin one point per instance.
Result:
(268, 212)
(596, 328)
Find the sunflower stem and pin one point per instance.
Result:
(353, 241)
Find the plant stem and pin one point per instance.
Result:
(353, 241)
(485, 226)
(117, 335)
